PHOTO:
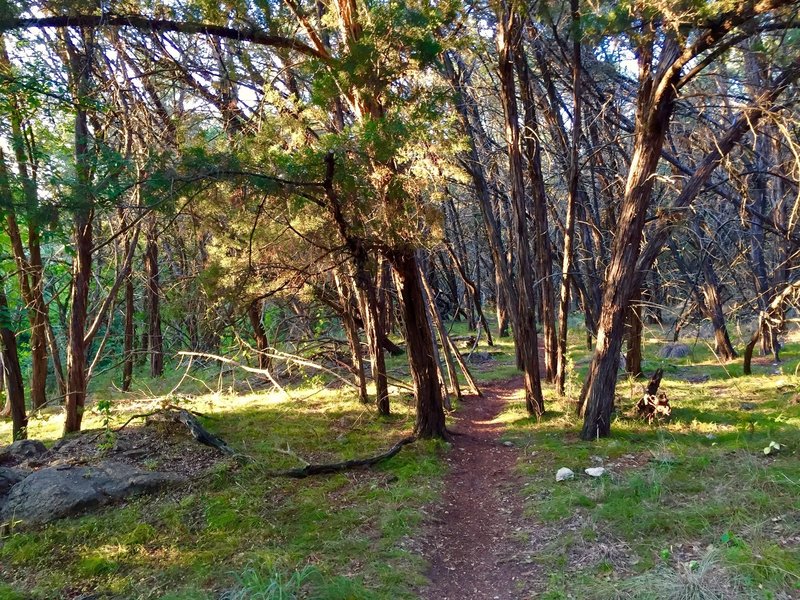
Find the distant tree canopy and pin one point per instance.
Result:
(292, 176)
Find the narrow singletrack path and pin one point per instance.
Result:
(474, 544)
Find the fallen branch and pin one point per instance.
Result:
(306, 471)
(201, 434)
(274, 354)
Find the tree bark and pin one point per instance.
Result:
(351, 331)
(633, 357)
(259, 333)
(80, 68)
(541, 235)
(153, 291)
(430, 419)
(569, 222)
(129, 335)
(508, 40)
(15, 389)
(654, 108)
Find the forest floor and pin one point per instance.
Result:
(692, 508)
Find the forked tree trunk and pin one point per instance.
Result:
(430, 419)
(653, 112)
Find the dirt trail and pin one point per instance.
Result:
(470, 544)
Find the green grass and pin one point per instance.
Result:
(239, 528)
(690, 509)
(675, 495)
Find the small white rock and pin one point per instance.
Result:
(564, 473)
(595, 471)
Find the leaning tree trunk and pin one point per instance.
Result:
(430, 421)
(710, 288)
(15, 389)
(654, 109)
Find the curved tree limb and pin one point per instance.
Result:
(321, 469)
(145, 23)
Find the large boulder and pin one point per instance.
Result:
(674, 350)
(8, 479)
(61, 491)
(22, 450)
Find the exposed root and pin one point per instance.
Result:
(302, 472)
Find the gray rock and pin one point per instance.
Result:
(22, 450)
(674, 350)
(564, 474)
(480, 357)
(8, 479)
(56, 492)
(748, 406)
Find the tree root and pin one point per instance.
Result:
(321, 469)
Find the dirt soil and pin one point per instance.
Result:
(470, 544)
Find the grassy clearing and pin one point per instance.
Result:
(691, 509)
(239, 533)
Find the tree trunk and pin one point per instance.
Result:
(430, 420)
(351, 331)
(259, 334)
(367, 302)
(569, 223)
(436, 320)
(710, 288)
(153, 291)
(654, 109)
(508, 38)
(83, 229)
(76, 351)
(129, 336)
(541, 235)
(633, 358)
(15, 389)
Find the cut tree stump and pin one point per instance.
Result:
(654, 406)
